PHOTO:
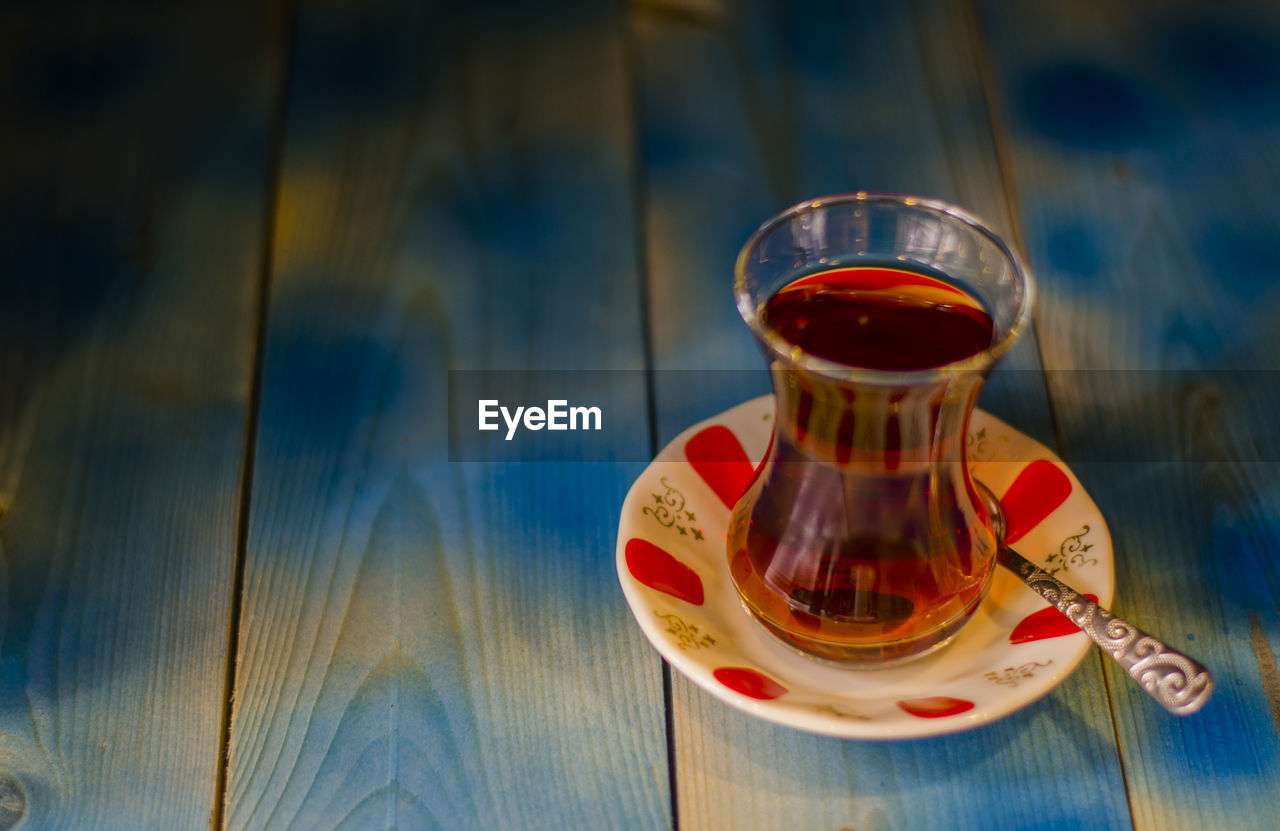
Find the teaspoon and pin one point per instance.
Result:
(1179, 683)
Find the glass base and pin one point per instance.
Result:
(875, 656)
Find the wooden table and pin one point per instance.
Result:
(243, 244)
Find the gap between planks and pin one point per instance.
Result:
(639, 204)
(284, 21)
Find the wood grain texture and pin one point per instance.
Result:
(746, 110)
(1144, 149)
(134, 161)
(428, 643)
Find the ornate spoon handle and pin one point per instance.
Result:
(1179, 683)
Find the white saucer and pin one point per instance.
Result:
(674, 573)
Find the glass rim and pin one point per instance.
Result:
(780, 346)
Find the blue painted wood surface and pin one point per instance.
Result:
(425, 642)
(133, 157)
(1145, 144)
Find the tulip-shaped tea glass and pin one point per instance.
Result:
(862, 538)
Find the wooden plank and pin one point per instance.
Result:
(134, 155)
(745, 112)
(430, 643)
(1143, 144)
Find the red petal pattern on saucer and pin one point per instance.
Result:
(660, 571)
(1046, 623)
(939, 706)
(1037, 492)
(717, 457)
(750, 683)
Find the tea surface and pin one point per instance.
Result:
(880, 318)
